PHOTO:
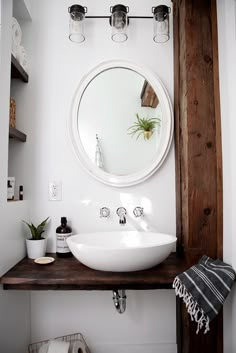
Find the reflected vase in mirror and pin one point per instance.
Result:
(98, 154)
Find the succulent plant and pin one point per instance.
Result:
(37, 231)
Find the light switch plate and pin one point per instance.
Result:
(54, 190)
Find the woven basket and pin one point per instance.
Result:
(12, 113)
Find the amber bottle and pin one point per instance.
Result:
(62, 233)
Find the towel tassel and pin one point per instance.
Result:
(193, 309)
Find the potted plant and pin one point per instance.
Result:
(36, 244)
(144, 126)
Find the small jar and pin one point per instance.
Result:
(21, 193)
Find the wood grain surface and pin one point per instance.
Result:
(70, 274)
(199, 192)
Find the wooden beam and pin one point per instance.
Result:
(198, 153)
(218, 131)
(148, 96)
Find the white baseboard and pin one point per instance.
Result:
(134, 348)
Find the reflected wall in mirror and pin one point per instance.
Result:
(121, 123)
(109, 108)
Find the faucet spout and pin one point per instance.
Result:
(121, 212)
(122, 220)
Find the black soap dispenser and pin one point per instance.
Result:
(62, 233)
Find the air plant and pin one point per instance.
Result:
(144, 126)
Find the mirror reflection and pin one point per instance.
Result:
(120, 121)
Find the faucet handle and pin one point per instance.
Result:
(138, 211)
(121, 211)
(104, 212)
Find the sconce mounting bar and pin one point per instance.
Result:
(143, 17)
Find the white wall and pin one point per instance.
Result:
(147, 322)
(227, 54)
(57, 65)
(14, 306)
(14, 321)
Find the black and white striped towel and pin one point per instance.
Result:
(204, 288)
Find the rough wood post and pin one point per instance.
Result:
(198, 152)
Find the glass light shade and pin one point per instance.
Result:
(76, 23)
(119, 22)
(161, 31)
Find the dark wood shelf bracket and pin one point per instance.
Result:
(17, 70)
(16, 134)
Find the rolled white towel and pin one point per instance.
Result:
(44, 348)
(22, 58)
(16, 32)
(20, 53)
(16, 36)
(77, 347)
(14, 48)
(58, 347)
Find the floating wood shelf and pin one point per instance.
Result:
(17, 70)
(69, 274)
(16, 134)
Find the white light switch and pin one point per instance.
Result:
(54, 190)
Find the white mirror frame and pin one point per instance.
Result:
(167, 111)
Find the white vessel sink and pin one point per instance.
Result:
(121, 251)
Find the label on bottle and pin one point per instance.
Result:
(62, 246)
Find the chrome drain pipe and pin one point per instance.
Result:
(119, 299)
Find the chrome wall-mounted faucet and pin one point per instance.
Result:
(121, 212)
(104, 212)
(138, 211)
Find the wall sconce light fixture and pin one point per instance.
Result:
(76, 24)
(161, 23)
(119, 21)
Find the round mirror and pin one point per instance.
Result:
(121, 123)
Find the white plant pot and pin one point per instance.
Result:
(36, 248)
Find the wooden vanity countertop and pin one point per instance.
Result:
(70, 274)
